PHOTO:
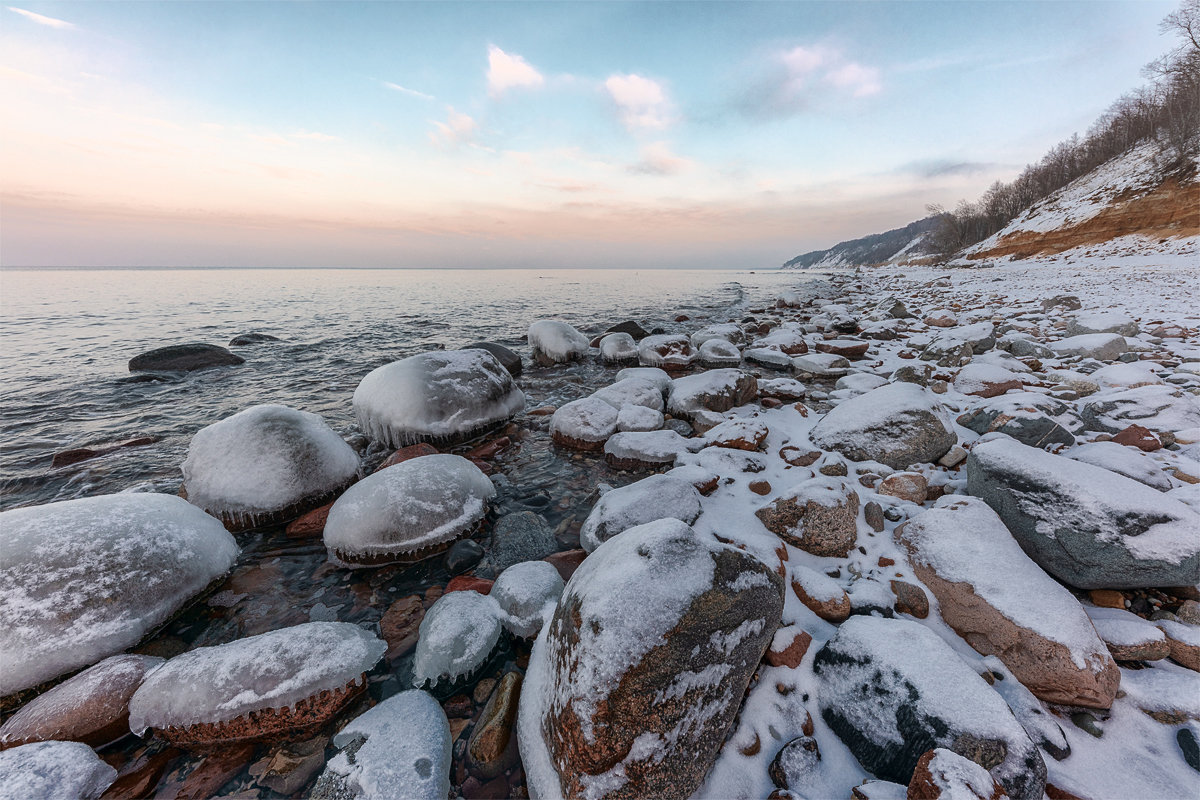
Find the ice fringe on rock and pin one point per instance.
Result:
(406, 511)
(653, 498)
(83, 579)
(264, 464)
(726, 331)
(53, 771)
(719, 353)
(398, 750)
(617, 348)
(556, 341)
(666, 351)
(440, 397)
(271, 670)
(456, 637)
(526, 595)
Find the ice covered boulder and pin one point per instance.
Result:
(898, 424)
(717, 353)
(1100, 346)
(617, 348)
(526, 594)
(670, 352)
(1127, 461)
(271, 685)
(53, 771)
(184, 358)
(1159, 408)
(265, 466)
(81, 580)
(716, 390)
(639, 418)
(91, 707)
(1102, 322)
(891, 689)
(1031, 418)
(555, 342)
(1089, 527)
(584, 424)
(456, 637)
(398, 750)
(644, 450)
(635, 684)
(407, 512)
(631, 391)
(656, 497)
(654, 375)
(443, 396)
(728, 332)
(1003, 604)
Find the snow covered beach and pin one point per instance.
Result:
(792, 590)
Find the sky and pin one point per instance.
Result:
(580, 134)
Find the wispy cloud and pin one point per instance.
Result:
(657, 158)
(40, 19)
(315, 136)
(793, 78)
(405, 90)
(458, 129)
(940, 167)
(510, 71)
(641, 102)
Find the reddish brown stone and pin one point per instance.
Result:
(910, 486)
(1107, 598)
(836, 610)
(884, 561)
(492, 748)
(760, 487)
(459, 706)
(1139, 437)
(1055, 793)
(543, 411)
(309, 525)
(770, 402)
(217, 769)
(566, 562)
(139, 778)
(400, 623)
(797, 457)
(407, 453)
(823, 530)
(910, 599)
(793, 654)
(843, 348)
(488, 450)
(468, 583)
(926, 785)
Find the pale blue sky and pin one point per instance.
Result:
(527, 134)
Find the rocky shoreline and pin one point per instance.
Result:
(889, 536)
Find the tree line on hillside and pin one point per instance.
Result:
(1167, 110)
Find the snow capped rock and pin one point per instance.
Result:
(456, 636)
(718, 353)
(897, 424)
(667, 351)
(654, 375)
(84, 579)
(1128, 636)
(1089, 527)
(827, 364)
(1127, 461)
(616, 348)
(1100, 346)
(942, 774)
(282, 669)
(1033, 419)
(715, 390)
(408, 511)
(555, 342)
(639, 418)
(585, 424)
(653, 498)
(818, 515)
(859, 382)
(788, 339)
(631, 391)
(53, 771)
(441, 396)
(526, 594)
(728, 332)
(633, 687)
(398, 750)
(1101, 322)
(986, 380)
(1126, 376)
(891, 689)
(637, 450)
(1159, 408)
(1002, 603)
(266, 465)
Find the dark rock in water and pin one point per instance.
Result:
(65, 458)
(252, 338)
(517, 537)
(631, 655)
(892, 689)
(463, 555)
(507, 358)
(148, 377)
(632, 328)
(184, 358)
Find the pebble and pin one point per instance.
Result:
(463, 555)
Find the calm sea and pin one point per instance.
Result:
(68, 335)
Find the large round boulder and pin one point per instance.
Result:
(184, 358)
(898, 424)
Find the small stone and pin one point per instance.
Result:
(1087, 723)
(910, 486)
(399, 625)
(884, 561)
(798, 458)
(463, 555)
(1107, 598)
(459, 706)
(483, 690)
(834, 469)
(309, 525)
(893, 514)
(910, 599)
(795, 764)
(566, 562)
(1189, 744)
(760, 487)
(216, 770)
(873, 514)
(1189, 612)
(792, 643)
(955, 456)
(468, 583)
(1139, 437)
(407, 454)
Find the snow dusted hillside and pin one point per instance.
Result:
(1127, 206)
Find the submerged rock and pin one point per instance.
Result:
(898, 424)
(436, 397)
(634, 687)
(398, 750)
(84, 579)
(456, 636)
(184, 358)
(280, 684)
(407, 512)
(892, 689)
(53, 771)
(517, 537)
(244, 339)
(1089, 527)
(507, 358)
(266, 465)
